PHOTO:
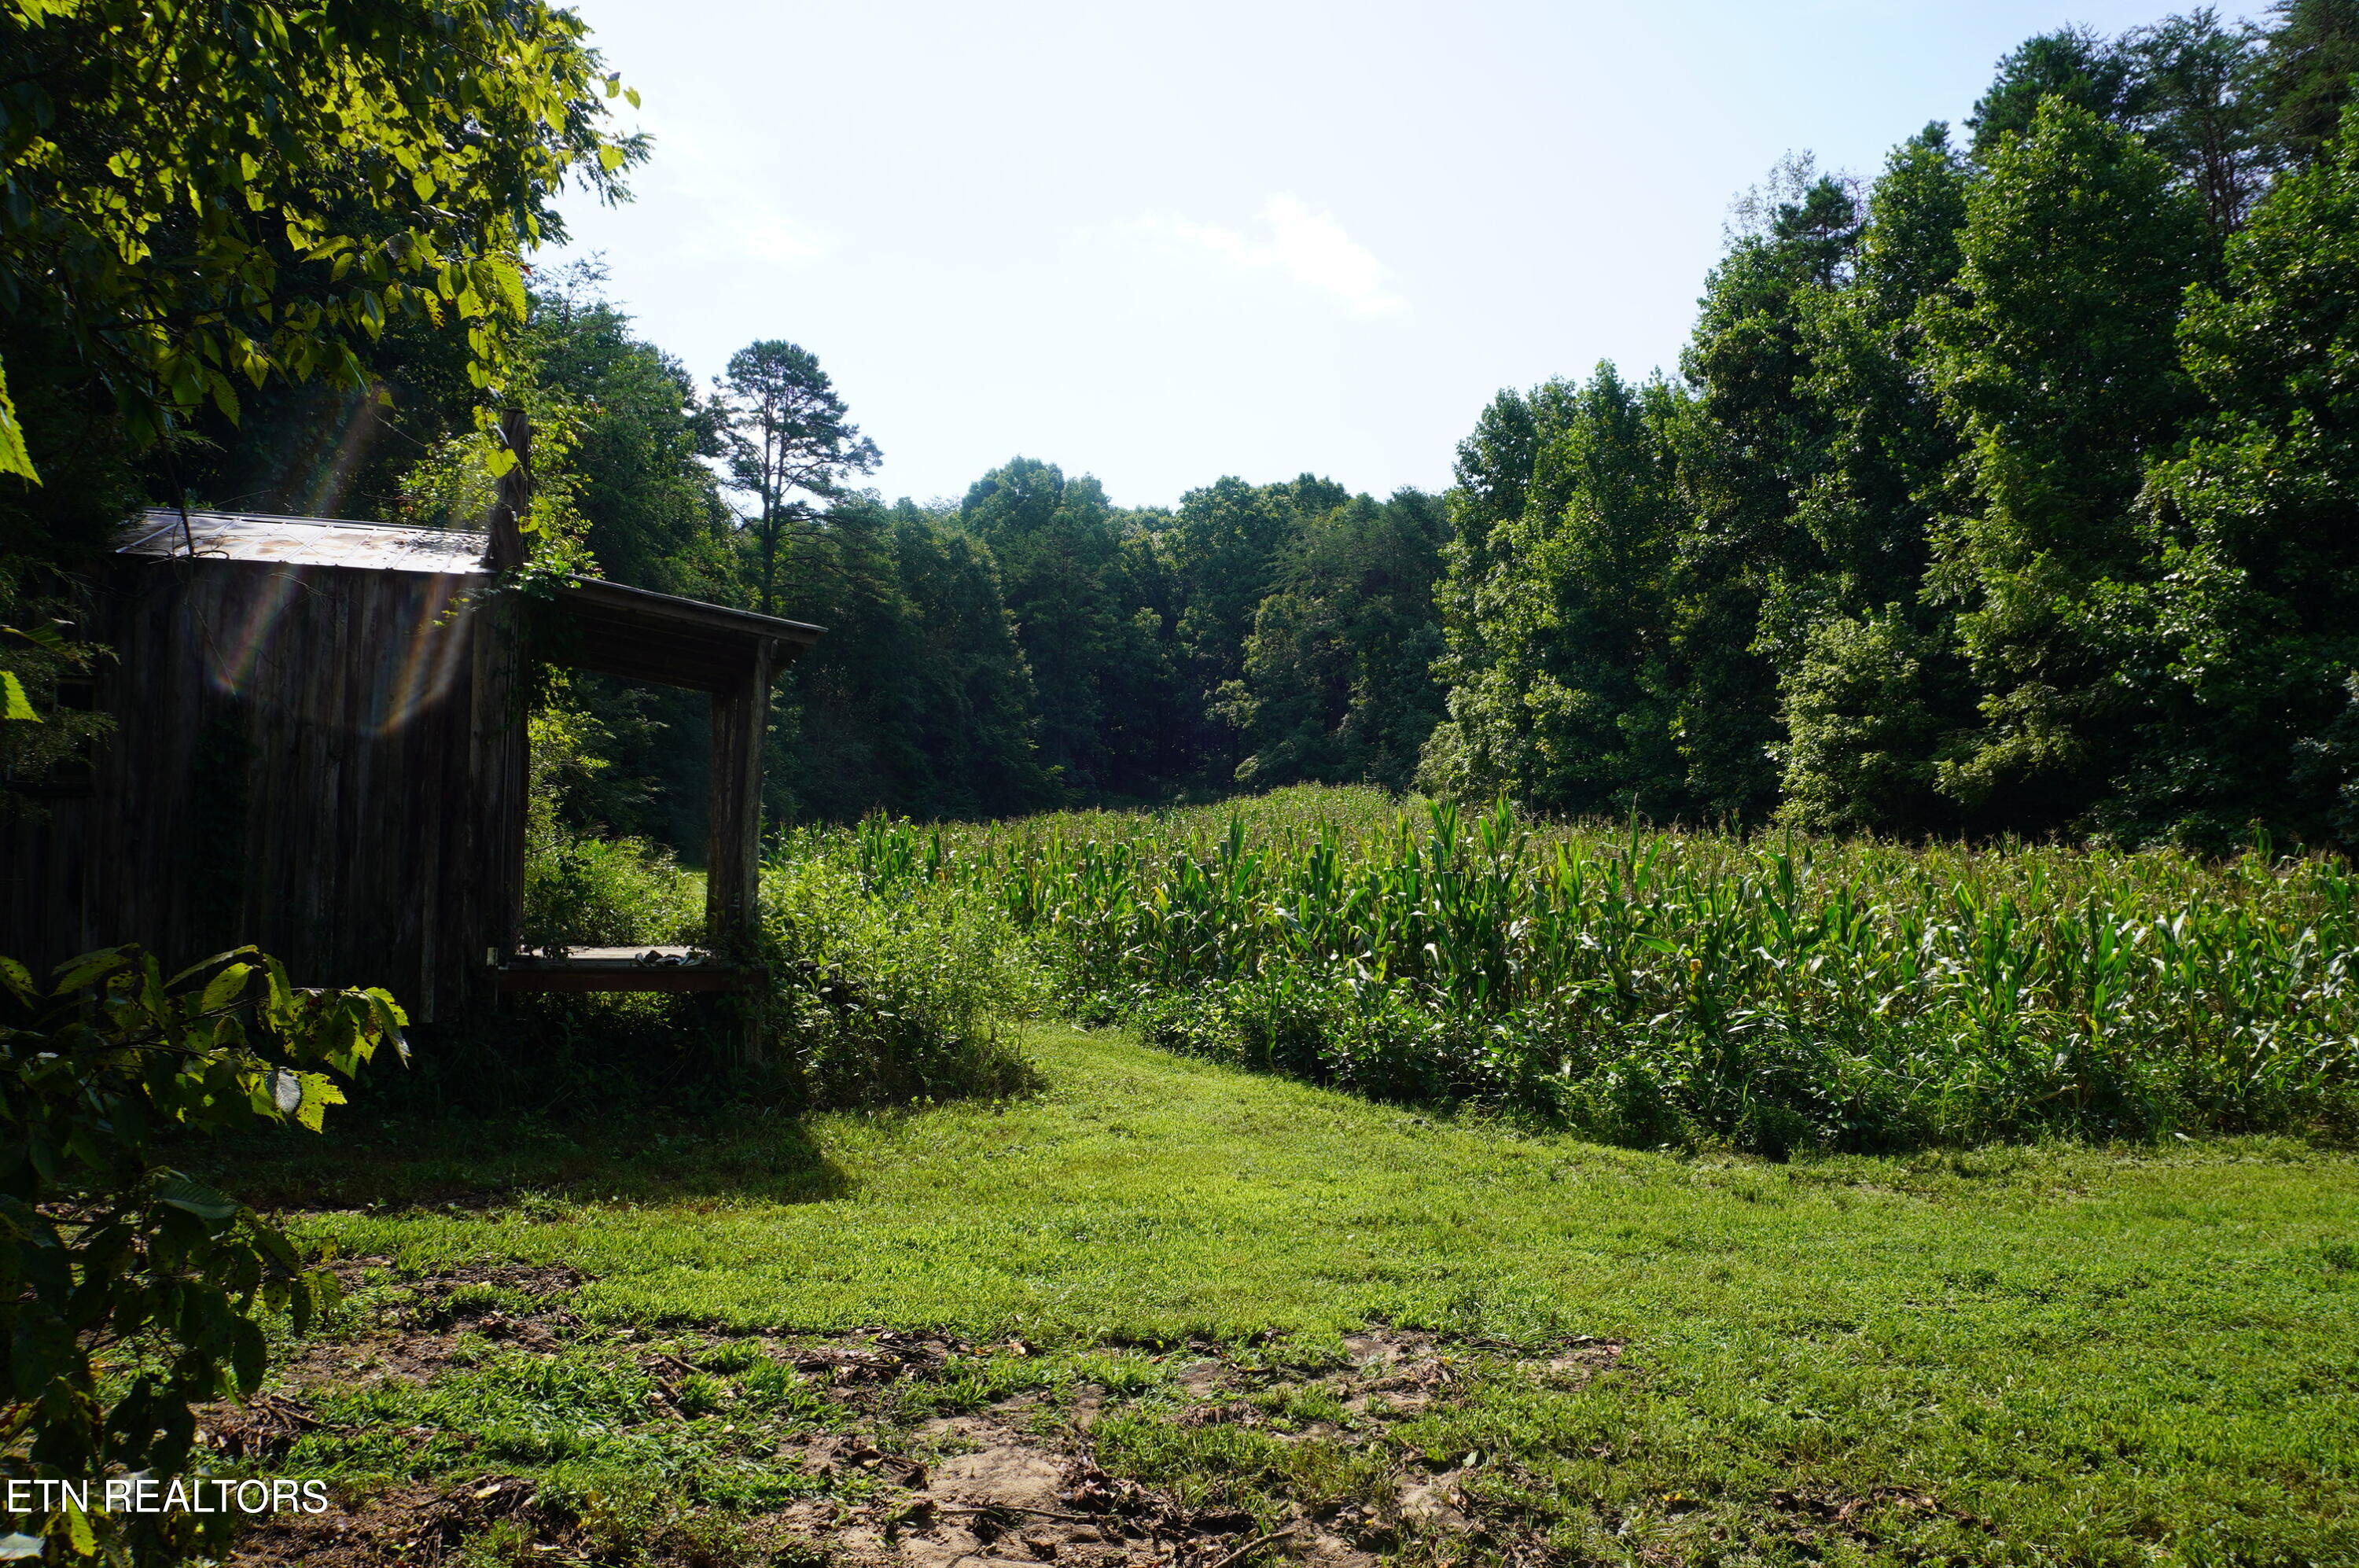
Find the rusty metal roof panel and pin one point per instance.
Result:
(603, 627)
(303, 541)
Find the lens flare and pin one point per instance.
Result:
(431, 656)
(378, 658)
(361, 424)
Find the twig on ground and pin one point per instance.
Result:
(1250, 1546)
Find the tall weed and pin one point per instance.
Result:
(876, 996)
(581, 889)
(890, 997)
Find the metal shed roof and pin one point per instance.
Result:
(303, 541)
(608, 628)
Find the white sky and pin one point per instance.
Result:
(1163, 243)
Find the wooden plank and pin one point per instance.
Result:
(644, 968)
(494, 805)
(641, 635)
(645, 607)
(741, 720)
(581, 974)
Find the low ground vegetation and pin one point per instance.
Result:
(870, 1000)
(1163, 1308)
(609, 1442)
(2052, 1259)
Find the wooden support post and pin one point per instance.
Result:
(503, 761)
(514, 502)
(499, 773)
(732, 861)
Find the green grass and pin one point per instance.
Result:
(2101, 1357)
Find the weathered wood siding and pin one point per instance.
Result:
(327, 762)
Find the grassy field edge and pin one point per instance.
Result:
(2103, 1356)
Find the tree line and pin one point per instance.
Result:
(2014, 490)
(1031, 645)
(2010, 490)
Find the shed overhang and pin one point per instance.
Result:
(603, 626)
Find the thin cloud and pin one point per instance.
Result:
(1307, 245)
(720, 179)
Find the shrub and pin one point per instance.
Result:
(874, 997)
(881, 998)
(128, 1292)
(591, 892)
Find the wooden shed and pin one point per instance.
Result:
(319, 747)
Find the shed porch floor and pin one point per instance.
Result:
(626, 969)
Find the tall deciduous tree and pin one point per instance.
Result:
(1749, 446)
(642, 437)
(1225, 546)
(2312, 71)
(2058, 361)
(2204, 106)
(1470, 753)
(1869, 682)
(2078, 65)
(1060, 547)
(1568, 681)
(202, 196)
(1337, 683)
(2256, 707)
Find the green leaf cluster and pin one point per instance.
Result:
(129, 1290)
(202, 197)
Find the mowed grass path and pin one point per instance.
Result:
(2081, 1356)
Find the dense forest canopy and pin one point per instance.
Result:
(2012, 489)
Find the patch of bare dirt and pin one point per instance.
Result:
(1016, 1482)
(418, 1338)
(409, 1525)
(875, 1356)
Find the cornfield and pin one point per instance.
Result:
(1774, 992)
